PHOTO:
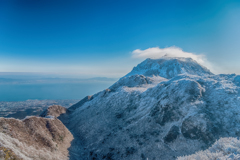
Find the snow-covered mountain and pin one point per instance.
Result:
(169, 108)
(162, 109)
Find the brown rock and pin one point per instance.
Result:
(54, 110)
(36, 137)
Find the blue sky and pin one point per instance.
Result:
(96, 38)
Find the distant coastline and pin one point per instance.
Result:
(24, 94)
(21, 109)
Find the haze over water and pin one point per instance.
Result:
(22, 87)
(22, 92)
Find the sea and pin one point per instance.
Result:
(57, 91)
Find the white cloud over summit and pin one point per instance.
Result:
(157, 52)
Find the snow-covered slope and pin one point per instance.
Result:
(223, 149)
(162, 109)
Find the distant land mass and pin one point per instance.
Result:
(21, 109)
(33, 78)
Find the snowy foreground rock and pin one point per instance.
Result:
(34, 138)
(162, 109)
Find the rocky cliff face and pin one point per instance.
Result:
(34, 138)
(162, 109)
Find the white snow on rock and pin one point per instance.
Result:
(223, 149)
(26, 152)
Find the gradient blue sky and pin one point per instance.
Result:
(96, 37)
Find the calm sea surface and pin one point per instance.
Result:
(22, 92)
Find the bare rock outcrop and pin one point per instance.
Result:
(54, 110)
(35, 138)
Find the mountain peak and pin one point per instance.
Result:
(169, 67)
